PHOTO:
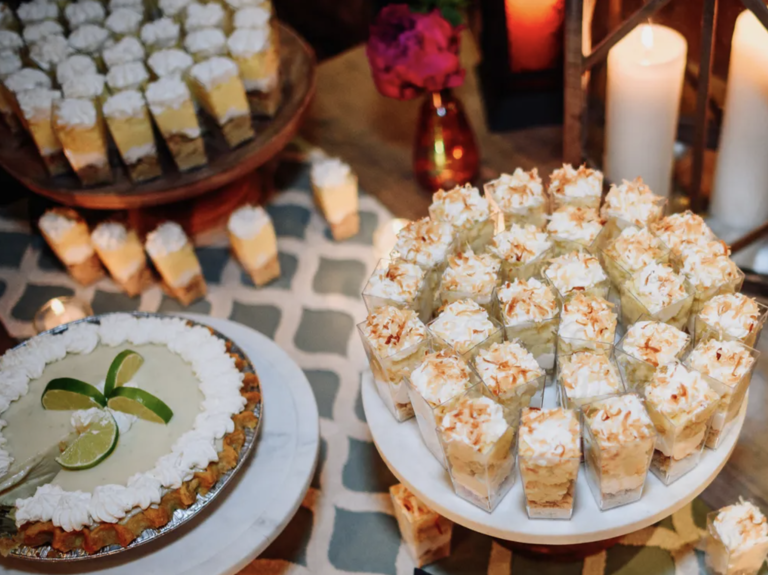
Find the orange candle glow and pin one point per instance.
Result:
(535, 33)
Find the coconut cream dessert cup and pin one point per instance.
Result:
(198, 15)
(513, 376)
(122, 253)
(35, 32)
(66, 233)
(427, 535)
(479, 447)
(439, 378)
(468, 212)
(253, 240)
(175, 259)
(124, 22)
(80, 129)
(170, 62)
(577, 273)
(529, 310)
(171, 105)
(574, 228)
(587, 323)
(84, 12)
(737, 539)
(631, 204)
(127, 116)
(549, 457)
(629, 252)
(217, 86)
(731, 317)
(205, 43)
(523, 251)
(160, 34)
(401, 284)
(128, 76)
(9, 63)
(90, 39)
(256, 53)
(681, 404)
(32, 12)
(587, 376)
(659, 293)
(727, 366)
(581, 187)
(645, 347)
(470, 276)
(37, 108)
(428, 244)
(519, 197)
(677, 230)
(396, 342)
(125, 50)
(466, 328)
(334, 187)
(618, 439)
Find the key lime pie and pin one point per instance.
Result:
(127, 420)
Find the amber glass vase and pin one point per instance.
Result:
(445, 153)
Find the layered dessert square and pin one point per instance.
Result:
(432, 384)
(37, 109)
(587, 323)
(170, 62)
(128, 120)
(400, 284)
(582, 187)
(731, 317)
(253, 240)
(577, 273)
(629, 252)
(523, 251)
(426, 534)
(646, 346)
(160, 34)
(257, 57)
(632, 204)
(680, 229)
(175, 259)
(513, 376)
(67, 234)
(395, 341)
(80, 129)
(171, 106)
(129, 49)
(680, 403)
(619, 439)
(49, 53)
(334, 187)
(124, 22)
(23, 80)
(530, 312)
(465, 327)
(657, 293)
(574, 228)
(468, 212)
(128, 76)
(205, 43)
(479, 448)
(219, 89)
(84, 12)
(90, 39)
(737, 539)
(122, 253)
(204, 15)
(519, 197)
(587, 376)
(549, 455)
(470, 276)
(727, 366)
(427, 244)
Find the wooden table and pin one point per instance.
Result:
(350, 119)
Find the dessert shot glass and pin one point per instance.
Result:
(629, 252)
(577, 273)
(731, 317)
(632, 204)
(470, 277)
(524, 250)
(581, 187)
(587, 376)
(399, 284)
(573, 228)
(468, 212)
(519, 197)
(657, 292)
(587, 324)
(737, 540)
(466, 328)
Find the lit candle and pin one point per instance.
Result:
(740, 188)
(645, 82)
(535, 33)
(385, 237)
(59, 311)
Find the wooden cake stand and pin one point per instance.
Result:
(239, 174)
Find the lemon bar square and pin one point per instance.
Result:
(67, 234)
(254, 242)
(80, 130)
(259, 62)
(37, 108)
(335, 190)
(122, 252)
(131, 129)
(175, 259)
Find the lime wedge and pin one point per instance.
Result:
(140, 403)
(68, 394)
(92, 446)
(123, 368)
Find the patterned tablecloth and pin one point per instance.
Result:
(345, 523)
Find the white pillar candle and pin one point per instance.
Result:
(740, 190)
(645, 82)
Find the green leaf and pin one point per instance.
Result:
(453, 15)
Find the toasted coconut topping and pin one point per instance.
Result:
(527, 300)
(679, 393)
(654, 342)
(506, 366)
(397, 280)
(678, 230)
(726, 361)
(575, 224)
(707, 265)
(575, 271)
(619, 420)
(441, 376)
(657, 286)
(735, 314)
(463, 324)
(520, 244)
(518, 192)
(552, 433)
(635, 248)
(412, 506)
(462, 207)
(586, 374)
(471, 273)
(576, 183)
(478, 422)
(588, 318)
(741, 526)
(633, 202)
(425, 242)
(390, 330)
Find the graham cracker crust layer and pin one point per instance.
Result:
(238, 130)
(346, 228)
(193, 291)
(188, 153)
(95, 174)
(87, 272)
(145, 168)
(266, 273)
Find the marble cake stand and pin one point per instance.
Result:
(404, 452)
(261, 500)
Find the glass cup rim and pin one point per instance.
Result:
(360, 326)
(623, 387)
(500, 306)
(586, 427)
(754, 353)
(497, 327)
(603, 250)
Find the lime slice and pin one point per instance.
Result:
(123, 368)
(93, 445)
(140, 403)
(68, 394)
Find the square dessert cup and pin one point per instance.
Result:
(536, 215)
(528, 394)
(676, 314)
(478, 234)
(702, 295)
(389, 374)
(605, 483)
(618, 273)
(426, 533)
(637, 372)
(468, 352)
(570, 345)
(561, 246)
(511, 270)
(617, 224)
(600, 289)
(548, 470)
(421, 303)
(704, 331)
(481, 478)
(722, 560)
(577, 403)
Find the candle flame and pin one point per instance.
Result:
(646, 36)
(57, 306)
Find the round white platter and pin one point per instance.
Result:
(261, 499)
(406, 455)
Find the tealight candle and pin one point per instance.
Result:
(60, 310)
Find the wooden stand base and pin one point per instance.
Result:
(561, 553)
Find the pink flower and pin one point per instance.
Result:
(412, 53)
